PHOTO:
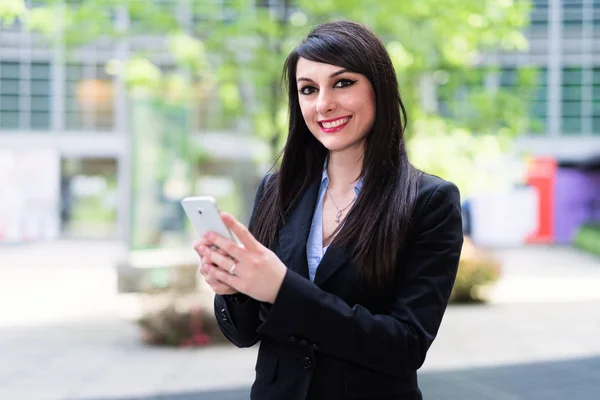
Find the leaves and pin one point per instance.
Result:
(10, 10)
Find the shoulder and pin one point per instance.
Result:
(434, 191)
(267, 181)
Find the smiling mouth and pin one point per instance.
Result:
(327, 125)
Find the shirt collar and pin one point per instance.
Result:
(325, 179)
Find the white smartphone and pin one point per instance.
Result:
(205, 216)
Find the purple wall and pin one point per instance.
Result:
(574, 191)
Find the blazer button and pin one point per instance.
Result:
(224, 314)
(307, 362)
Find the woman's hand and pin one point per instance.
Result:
(205, 268)
(254, 270)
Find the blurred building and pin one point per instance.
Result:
(64, 112)
(564, 42)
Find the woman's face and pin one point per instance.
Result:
(338, 106)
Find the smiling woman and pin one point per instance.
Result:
(351, 253)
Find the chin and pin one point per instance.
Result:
(333, 145)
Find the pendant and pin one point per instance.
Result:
(337, 217)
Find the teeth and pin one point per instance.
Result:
(333, 124)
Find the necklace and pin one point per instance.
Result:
(339, 211)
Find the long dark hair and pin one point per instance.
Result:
(377, 224)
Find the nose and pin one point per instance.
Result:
(326, 102)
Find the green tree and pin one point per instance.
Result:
(10, 10)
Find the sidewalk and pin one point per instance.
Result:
(544, 273)
(63, 335)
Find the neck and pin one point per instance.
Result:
(344, 168)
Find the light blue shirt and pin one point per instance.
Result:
(314, 246)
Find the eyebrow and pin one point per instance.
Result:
(341, 71)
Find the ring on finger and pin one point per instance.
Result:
(232, 268)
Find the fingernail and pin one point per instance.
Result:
(202, 250)
(208, 235)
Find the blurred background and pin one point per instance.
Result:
(112, 111)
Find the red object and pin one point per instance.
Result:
(541, 174)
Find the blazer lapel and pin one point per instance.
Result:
(335, 257)
(293, 235)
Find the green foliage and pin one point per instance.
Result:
(587, 238)
(10, 10)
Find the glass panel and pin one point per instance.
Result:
(9, 103)
(572, 4)
(9, 70)
(73, 72)
(571, 125)
(9, 86)
(538, 108)
(596, 76)
(40, 71)
(73, 121)
(596, 126)
(40, 120)
(540, 93)
(571, 93)
(572, 76)
(539, 22)
(40, 88)
(9, 119)
(508, 77)
(596, 92)
(40, 103)
(571, 108)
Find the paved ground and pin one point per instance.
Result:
(63, 335)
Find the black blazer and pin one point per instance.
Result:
(334, 339)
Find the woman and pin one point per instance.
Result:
(351, 253)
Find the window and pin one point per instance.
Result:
(513, 79)
(539, 14)
(572, 95)
(89, 98)
(596, 101)
(25, 95)
(572, 14)
(538, 110)
(596, 13)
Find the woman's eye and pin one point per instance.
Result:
(306, 90)
(342, 83)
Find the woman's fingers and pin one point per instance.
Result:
(202, 243)
(217, 286)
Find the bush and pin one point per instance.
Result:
(476, 269)
(178, 321)
(587, 238)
